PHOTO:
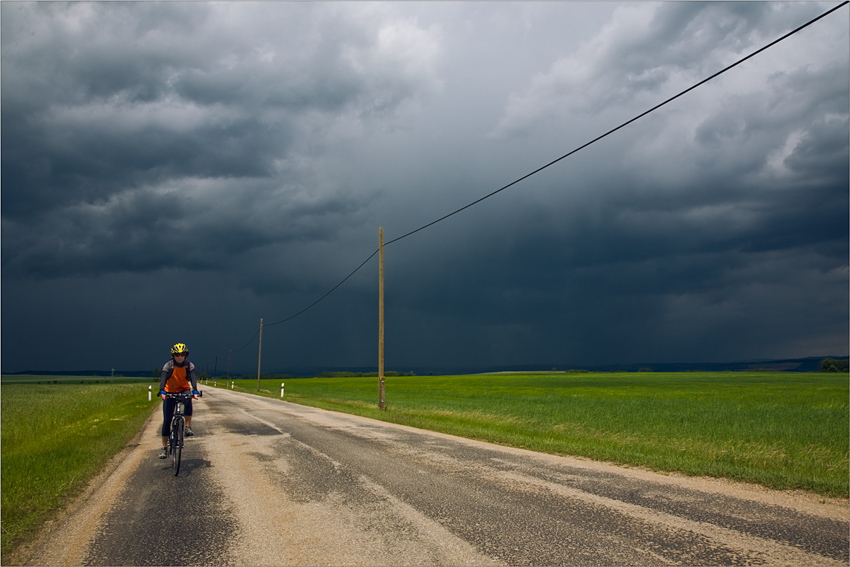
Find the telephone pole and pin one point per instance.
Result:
(381, 405)
(260, 355)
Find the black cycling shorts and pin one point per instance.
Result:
(168, 407)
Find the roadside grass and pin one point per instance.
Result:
(55, 438)
(43, 379)
(781, 430)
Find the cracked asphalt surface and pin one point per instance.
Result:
(266, 482)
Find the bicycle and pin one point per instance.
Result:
(178, 426)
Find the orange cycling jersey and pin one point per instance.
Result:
(178, 382)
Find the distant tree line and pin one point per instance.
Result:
(388, 373)
(322, 375)
(833, 365)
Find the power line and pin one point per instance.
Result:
(357, 269)
(553, 162)
(248, 343)
(623, 125)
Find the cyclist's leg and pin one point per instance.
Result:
(187, 412)
(168, 406)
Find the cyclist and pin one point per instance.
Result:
(178, 376)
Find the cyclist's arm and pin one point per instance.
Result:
(192, 378)
(163, 378)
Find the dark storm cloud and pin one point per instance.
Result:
(244, 155)
(641, 57)
(695, 212)
(169, 137)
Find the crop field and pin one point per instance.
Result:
(56, 435)
(781, 430)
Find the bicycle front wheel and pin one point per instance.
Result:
(177, 445)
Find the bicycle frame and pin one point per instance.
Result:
(178, 426)
(178, 421)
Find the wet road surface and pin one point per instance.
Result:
(265, 482)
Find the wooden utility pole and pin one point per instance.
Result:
(260, 355)
(381, 323)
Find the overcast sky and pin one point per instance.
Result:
(174, 172)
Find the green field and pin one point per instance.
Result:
(781, 430)
(56, 435)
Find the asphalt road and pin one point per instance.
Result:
(266, 482)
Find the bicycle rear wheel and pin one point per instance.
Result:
(177, 445)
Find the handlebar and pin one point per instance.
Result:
(181, 395)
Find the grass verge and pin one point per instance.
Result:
(55, 438)
(781, 430)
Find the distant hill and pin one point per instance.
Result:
(117, 373)
(808, 364)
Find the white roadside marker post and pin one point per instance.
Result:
(149, 393)
(281, 389)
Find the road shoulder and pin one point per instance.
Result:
(63, 539)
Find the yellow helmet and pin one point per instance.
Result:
(179, 348)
